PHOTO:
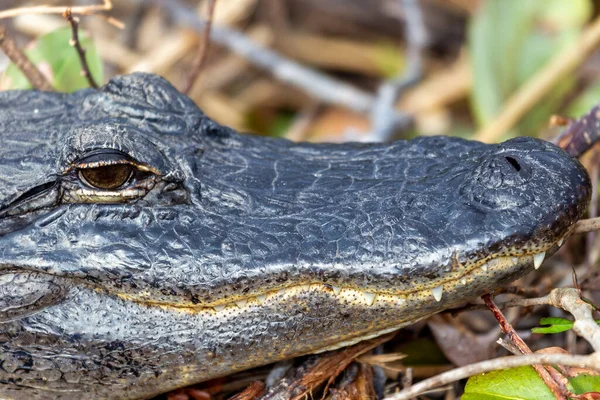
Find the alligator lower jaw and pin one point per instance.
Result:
(367, 298)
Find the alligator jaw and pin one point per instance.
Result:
(366, 297)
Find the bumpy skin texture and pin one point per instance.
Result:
(231, 216)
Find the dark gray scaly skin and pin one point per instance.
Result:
(116, 300)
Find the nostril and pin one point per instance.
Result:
(514, 163)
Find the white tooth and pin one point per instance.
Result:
(370, 297)
(336, 289)
(560, 242)
(463, 281)
(538, 259)
(484, 267)
(262, 298)
(515, 260)
(219, 307)
(437, 292)
(304, 288)
(241, 303)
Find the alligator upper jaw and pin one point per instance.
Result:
(103, 247)
(265, 286)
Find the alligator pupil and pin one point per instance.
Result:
(107, 177)
(514, 163)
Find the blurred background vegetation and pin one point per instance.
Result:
(489, 70)
(476, 54)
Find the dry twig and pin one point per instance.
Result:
(580, 134)
(326, 368)
(203, 50)
(85, 68)
(320, 86)
(552, 379)
(254, 391)
(385, 119)
(569, 300)
(356, 385)
(587, 225)
(82, 10)
(33, 75)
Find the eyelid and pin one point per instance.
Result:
(106, 157)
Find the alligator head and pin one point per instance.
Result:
(144, 247)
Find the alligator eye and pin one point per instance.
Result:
(107, 177)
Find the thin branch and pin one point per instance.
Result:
(591, 361)
(85, 68)
(13, 12)
(532, 92)
(509, 346)
(298, 129)
(537, 301)
(385, 119)
(82, 10)
(532, 302)
(253, 391)
(552, 380)
(505, 326)
(311, 81)
(587, 225)
(580, 134)
(203, 50)
(33, 75)
(569, 300)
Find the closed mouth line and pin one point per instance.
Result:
(363, 297)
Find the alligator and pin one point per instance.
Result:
(144, 247)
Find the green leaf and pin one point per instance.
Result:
(509, 44)
(281, 124)
(57, 59)
(495, 40)
(521, 383)
(584, 383)
(568, 14)
(556, 325)
(515, 383)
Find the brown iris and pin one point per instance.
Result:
(107, 177)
